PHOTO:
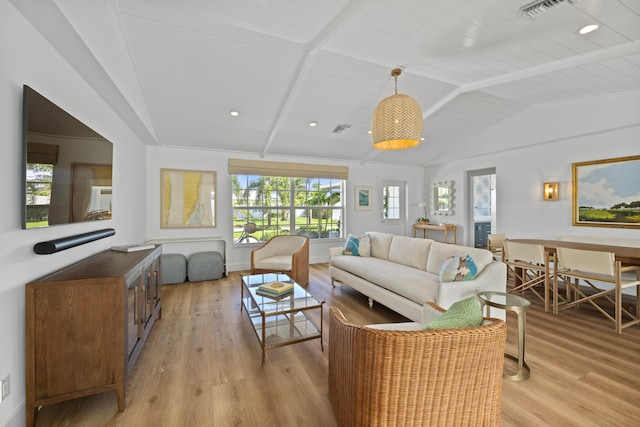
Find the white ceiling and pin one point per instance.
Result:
(470, 65)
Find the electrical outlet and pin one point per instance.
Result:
(6, 387)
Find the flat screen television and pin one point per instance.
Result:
(67, 167)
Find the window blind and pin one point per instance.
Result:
(42, 153)
(298, 170)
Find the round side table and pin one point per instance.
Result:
(519, 305)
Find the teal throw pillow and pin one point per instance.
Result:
(458, 268)
(462, 314)
(357, 246)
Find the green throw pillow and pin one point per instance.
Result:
(462, 314)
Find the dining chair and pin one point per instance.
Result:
(583, 271)
(494, 244)
(529, 264)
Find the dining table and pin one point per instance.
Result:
(627, 255)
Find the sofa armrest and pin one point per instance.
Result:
(335, 252)
(430, 311)
(492, 278)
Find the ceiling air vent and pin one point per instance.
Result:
(339, 128)
(539, 7)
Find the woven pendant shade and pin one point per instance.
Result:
(397, 122)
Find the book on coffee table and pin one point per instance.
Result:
(275, 288)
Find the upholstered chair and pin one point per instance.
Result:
(288, 254)
(398, 375)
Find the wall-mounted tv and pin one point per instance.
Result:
(67, 167)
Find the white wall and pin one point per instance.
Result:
(238, 257)
(32, 61)
(603, 128)
(521, 212)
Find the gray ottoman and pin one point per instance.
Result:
(174, 268)
(205, 266)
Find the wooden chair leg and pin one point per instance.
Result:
(618, 310)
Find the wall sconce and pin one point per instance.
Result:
(550, 191)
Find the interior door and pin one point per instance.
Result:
(481, 215)
(393, 208)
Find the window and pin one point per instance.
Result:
(267, 206)
(391, 202)
(39, 180)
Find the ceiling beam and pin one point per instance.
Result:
(550, 67)
(345, 15)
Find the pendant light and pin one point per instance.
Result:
(397, 121)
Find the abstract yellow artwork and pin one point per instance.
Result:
(188, 198)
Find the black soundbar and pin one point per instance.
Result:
(57, 245)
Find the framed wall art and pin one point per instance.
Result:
(363, 200)
(187, 199)
(606, 193)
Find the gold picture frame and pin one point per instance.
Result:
(606, 193)
(187, 198)
(363, 198)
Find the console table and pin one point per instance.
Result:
(445, 228)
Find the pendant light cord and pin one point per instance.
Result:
(395, 73)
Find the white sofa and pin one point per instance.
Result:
(402, 274)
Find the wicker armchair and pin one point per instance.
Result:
(449, 377)
(285, 253)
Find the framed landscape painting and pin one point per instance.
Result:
(188, 198)
(363, 198)
(606, 193)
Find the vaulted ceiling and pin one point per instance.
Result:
(470, 64)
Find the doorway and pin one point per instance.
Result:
(393, 207)
(481, 206)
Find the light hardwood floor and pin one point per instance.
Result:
(201, 367)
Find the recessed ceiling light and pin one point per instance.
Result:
(588, 28)
(234, 113)
(369, 132)
(422, 139)
(313, 124)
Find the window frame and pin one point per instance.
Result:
(319, 199)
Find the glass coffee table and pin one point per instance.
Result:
(279, 320)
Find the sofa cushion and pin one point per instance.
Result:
(380, 243)
(412, 283)
(409, 251)
(439, 252)
(274, 263)
(458, 268)
(462, 314)
(357, 246)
